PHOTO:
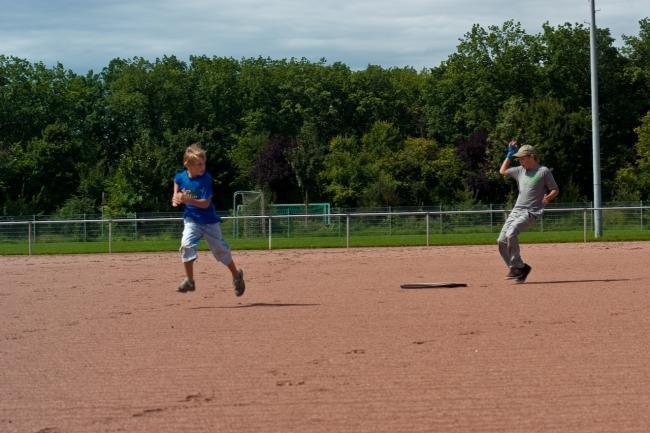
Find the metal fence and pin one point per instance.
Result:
(338, 229)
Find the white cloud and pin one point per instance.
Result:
(420, 33)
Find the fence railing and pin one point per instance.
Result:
(407, 227)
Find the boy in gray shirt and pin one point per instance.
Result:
(537, 188)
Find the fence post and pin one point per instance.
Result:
(29, 237)
(110, 236)
(85, 231)
(427, 228)
(491, 219)
(270, 231)
(347, 230)
(135, 226)
(584, 225)
(641, 204)
(440, 209)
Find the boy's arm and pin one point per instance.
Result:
(503, 171)
(184, 197)
(551, 187)
(176, 196)
(203, 203)
(551, 195)
(204, 199)
(512, 149)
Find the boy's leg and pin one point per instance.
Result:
(502, 241)
(238, 282)
(517, 222)
(233, 269)
(218, 245)
(188, 251)
(188, 285)
(221, 251)
(189, 270)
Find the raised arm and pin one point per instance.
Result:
(512, 149)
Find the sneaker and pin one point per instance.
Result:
(513, 273)
(239, 284)
(523, 273)
(186, 286)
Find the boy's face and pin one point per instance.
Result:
(195, 167)
(527, 162)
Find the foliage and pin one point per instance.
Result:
(272, 171)
(317, 131)
(633, 181)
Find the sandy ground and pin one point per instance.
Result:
(326, 341)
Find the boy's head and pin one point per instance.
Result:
(527, 150)
(194, 160)
(527, 156)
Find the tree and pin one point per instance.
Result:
(272, 171)
(566, 76)
(378, 147)
(427, 173)
(141, 181)
(489, 67)
(306, 161)
(472, 152)
(633, 181)
(344, 171)
(636, 50)
(563, 139)
(43, 172)
(216, 92)
(243, 155)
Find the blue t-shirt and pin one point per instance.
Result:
(200, 188)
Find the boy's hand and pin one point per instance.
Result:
(177, 199)
(182, 197)
(512, 149)
(547, 199)
(185, 196)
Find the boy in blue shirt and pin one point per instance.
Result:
(193, 188)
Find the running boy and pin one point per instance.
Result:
(537, 188)
(193, 188)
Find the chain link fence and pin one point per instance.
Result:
(339, 228)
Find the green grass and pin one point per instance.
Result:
(356, 240)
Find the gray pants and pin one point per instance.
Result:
(518, 221)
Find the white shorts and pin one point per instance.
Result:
(192, 234)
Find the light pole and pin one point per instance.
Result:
(595, 129)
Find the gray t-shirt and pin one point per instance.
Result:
(533, 184)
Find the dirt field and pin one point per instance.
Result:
(326, 341)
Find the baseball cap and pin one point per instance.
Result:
(525, 150)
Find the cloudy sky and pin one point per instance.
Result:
(87, 34)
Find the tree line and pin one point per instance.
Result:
(305, 131)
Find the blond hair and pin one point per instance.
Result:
(193, 153)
